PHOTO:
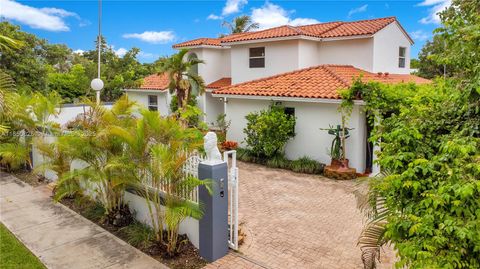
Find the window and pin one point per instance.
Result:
(290, 111)
(257, 57)
(153, 103)
(401, 57)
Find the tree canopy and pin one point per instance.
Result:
(38, 66)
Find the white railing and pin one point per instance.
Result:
(190, 169)
(231, 158)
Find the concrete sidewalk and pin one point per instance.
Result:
(60, 237)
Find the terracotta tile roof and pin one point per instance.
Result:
(320, 30)
(155, 82)
(223, 82)
(199, 42)
(322, 81)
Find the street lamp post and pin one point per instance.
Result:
(97, 83)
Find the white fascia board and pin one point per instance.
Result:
(145, 90)
(287, 99)
(295, 37)
(346, 37)
(204, 47)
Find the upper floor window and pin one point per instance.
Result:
(257, 57)
(153, 103)
(402, 51)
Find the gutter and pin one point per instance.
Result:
(287, 99)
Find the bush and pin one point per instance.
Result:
(303, 165)
(307, 166)
(139, 235)
(268, 131)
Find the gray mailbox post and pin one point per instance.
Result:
(213, 226)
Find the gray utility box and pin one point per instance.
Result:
(213, 227)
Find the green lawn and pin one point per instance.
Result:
(13, 254)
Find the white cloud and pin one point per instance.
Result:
(437, 6)
(79, 51)
(147, 55)
(214, 17)
(120, 52)
(161, 37)
(357, 10)
(302, 21)
(59, 12)
(419, 35)
(50, 19)
(233, 6)
(271, 15)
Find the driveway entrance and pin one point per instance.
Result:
(296, 221)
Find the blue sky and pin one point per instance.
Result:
(153, 26)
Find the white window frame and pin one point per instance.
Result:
(256, 57)
(400, 57)
(151, 105)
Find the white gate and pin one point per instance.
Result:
(231, 158)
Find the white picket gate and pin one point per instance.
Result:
(230, 157)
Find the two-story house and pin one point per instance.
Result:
(302, 68)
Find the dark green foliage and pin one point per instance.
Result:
(268, 131)
(303, 165)
(430, 141)
(139, 235)
(307, 166)
(278, 161)
(174, 102)
(42, 67)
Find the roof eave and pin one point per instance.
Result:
(273, 39)
(146, 90)
(202, 47)
(283, 98)
(346, 37)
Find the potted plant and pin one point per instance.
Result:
(337, 149)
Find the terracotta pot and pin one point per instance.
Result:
(335, 163)
(344, 163)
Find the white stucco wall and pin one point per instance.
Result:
(309, 140)
(280, 57)
(386, 45)
(213, 109)
(307, 53)
(217, 63)
(356, 52)
(141, 97)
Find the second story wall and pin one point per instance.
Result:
(386, 50)
(280, 57)
(356, 52)
(217, 63)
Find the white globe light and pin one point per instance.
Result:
(96, 84)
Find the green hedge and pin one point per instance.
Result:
(302, 165)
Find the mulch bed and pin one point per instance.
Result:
(188, 256)
(30, 178)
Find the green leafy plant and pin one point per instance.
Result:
(306, 165)
(268, 131)
(336, 151)
(139, 235)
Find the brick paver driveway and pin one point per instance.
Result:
(296, 221)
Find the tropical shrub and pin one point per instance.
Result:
(156, 148)
(104, 171)
(223, 125)
(430, 141)
(268, 131)
(307, 166)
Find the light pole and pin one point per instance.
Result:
(97, 83)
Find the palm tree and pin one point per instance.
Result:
(241, 24)
(104, 159)
(373, 206)
(181, 79)
(157, 149)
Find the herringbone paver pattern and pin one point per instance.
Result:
(297, 221)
